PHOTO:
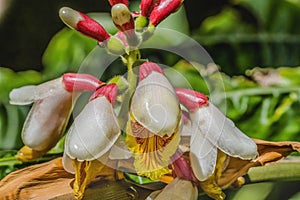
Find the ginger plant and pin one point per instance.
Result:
(149, 116)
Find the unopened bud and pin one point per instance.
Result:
(124, 21)
(147, 6)
(115, 46)
(114, 2)
(83, 24)
(163, 10)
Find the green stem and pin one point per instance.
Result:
(130, 59)
(258, 91)
(288, 170)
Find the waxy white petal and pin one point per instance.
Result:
(31, 93)
(94, 131)
(155, 105)
(46, 121)
(119, 151)
(203, 157)
(68, 163)
(178, 189)
(215, 127)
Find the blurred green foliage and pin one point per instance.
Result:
(250, 33)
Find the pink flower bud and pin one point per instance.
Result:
(80, 82)
(109, 91)
(83, 24)
(147, 68)
(114, 2)
(182, 169)
(191, 99)
(163, 10)
(147, 6)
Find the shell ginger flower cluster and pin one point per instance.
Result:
(141, 117)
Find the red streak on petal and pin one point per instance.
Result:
(191, 99)
(92, 28)
(110, 91)
(147, 68)
(80, 82)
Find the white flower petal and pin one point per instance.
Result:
(178, 189)
(221, 132)
(30, 93)
(203, 157)
(93, 132)
(120, 151)
(46, 121)
(67, 163)
(155, 105)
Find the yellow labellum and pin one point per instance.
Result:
(210, 186)
(152, 152)
(85, 172)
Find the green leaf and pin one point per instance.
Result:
(68, 49)
(273, 109)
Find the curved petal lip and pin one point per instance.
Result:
(93, 132)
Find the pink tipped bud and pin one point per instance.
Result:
(122, 18)
(110, 91)
(80, 82)
(147, 68)
(124, 21)
(163, 10)
(191, 99)
(83, 24)
(147, 6)
(182, 169)
(114, 2)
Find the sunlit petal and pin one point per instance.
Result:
(93, 132)
(214, 126)
(30, 93)
(155, 105)
(178, 189)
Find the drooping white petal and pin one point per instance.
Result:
(120, 151)
(221, 132)
(30, 93)
(67, 163)
(203, 156)
(178, 189)
(155, 105)
(46, 121)
(94, 131)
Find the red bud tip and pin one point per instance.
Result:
(147, 6)
(147, 68)
(83, 24)
(163, 10)
(182, 169)
(191, 99)
(110, 91)
(114, 2)
(80, 82)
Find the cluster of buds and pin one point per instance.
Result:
(132, 26)
(157, 115)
